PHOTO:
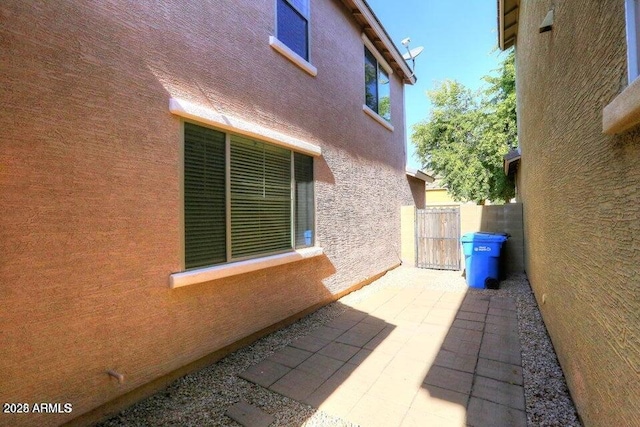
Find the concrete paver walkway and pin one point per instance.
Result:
(408, 356)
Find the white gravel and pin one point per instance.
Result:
(201, 398)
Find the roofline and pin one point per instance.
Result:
(418, 174)
(374, 24)
(501, 24)
(507, 163)
(502, 13)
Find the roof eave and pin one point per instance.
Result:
(418, 174)
(505, 9)
(372, 27)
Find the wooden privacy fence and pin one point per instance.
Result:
(438, 237)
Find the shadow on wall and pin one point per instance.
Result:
(506, 218)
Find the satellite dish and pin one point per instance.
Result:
(413, 53)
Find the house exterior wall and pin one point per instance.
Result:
(439, 196)
(581, 201)
(417, 192)
(91, 164)
(408, 233)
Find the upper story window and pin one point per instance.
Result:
(376, 86)
(293, 25)
(243, 198)
(633, 38)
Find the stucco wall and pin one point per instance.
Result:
(580, 190)
(497, 219)
(408, 233)
(417, 192)
(90, 172)
(439, 196)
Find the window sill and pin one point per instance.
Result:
(377, 117)
(623, 112)
(207, 274)
(292, 56)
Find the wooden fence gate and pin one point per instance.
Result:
(438, 237)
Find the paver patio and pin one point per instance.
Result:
(410, 356)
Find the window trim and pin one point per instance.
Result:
(285, 51)
(377, 117)
(623, 112)
(379, 58)
(204, 116)
(220, 271)
(631, 21)
(381, 64)
(280, 47)
(230, 258)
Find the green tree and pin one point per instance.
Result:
(467, 135)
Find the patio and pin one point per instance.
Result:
(407, 356)
(415, 348)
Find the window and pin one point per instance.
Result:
(243, 198)
(623, 112)
(293, 25)
(633, 38)
(376, 86)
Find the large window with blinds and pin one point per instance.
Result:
(243, 198)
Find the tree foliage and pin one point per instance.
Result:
(468, 133)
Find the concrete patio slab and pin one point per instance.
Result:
(249, 415)
(265, 373)
(408, 356)
(482, 413)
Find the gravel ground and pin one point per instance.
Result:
(201, 398)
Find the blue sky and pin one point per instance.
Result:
(458, 39)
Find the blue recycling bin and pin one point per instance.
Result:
(482, 257)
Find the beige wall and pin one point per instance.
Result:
(439, 196)
(90, 173)
(408, 233)
(498, 219)
(580, 190)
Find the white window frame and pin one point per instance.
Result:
(632, 15)
(385, 66)
(623, 112)
(230, 258)
(280, 47)
(205, 116)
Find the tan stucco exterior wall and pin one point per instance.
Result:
(497, 219)
(439, 196)
(408, 231)
(580, 190)
(90, 185)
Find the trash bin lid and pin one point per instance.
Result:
(484, 237)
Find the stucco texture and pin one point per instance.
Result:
(90, 185)
(581, 202)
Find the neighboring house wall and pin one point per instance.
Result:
(580, 190)
(439, 196)
(91, 165)
(417, 192)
